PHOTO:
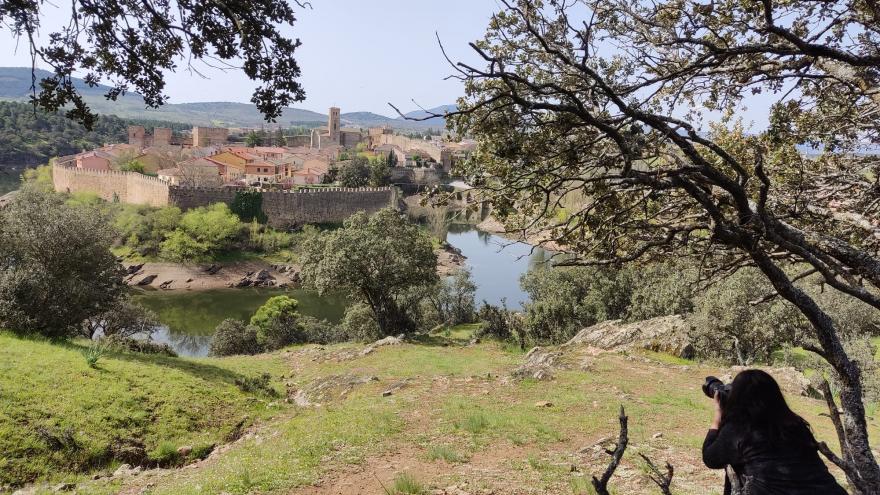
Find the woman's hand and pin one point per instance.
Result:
(716, 422)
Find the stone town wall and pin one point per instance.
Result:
(284, 209)
(123, 187)
(290, 208)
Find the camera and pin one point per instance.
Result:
(713, 385)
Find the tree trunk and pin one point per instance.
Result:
(864, 472)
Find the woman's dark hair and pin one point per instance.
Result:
(756, 402)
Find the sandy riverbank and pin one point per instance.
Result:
(207, 276)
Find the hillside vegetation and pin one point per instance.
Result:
(29, 137)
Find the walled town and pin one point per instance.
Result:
(159, 168)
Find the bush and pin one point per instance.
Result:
(128, 344)
(56, 268)
(232, 337)
(727, 326)
(248, 206)
(277, 323)
(257, 384)
(359, 324)
(661, 289)
(202, 233)
(320, 331)
(124, 319)
(452, 300)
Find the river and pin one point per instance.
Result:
(189, 318)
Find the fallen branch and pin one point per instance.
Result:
(601, 485)
(661, 479)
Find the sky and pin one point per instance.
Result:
(355, 54)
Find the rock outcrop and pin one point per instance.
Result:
(668, 334)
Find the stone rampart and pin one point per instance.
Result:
(122, 187)
(284, 209)
(290, 208)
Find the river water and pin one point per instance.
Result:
(189, 318)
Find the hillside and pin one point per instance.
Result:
(15, 86)
(448, 417)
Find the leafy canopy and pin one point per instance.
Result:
(130, 44)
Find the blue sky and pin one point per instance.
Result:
(356, 54)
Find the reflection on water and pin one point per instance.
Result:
(189, 318)
(496, 263)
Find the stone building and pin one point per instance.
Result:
(209, 136)
(333, 134)
(137, 136)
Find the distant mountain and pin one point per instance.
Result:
(436, 122)
(15, 85)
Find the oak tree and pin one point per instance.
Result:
(600, 107)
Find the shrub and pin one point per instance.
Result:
(256, 384)
(124, 319)
(277, 323)
(661, 289)
(729, 327)
(320, 331)
(233, 337)
(407, 484)
(202, 232)
(56, 268)
(165, 454)
(142, 346)
(248, 206)
(359, 324)
(452, 300)
(93, 353)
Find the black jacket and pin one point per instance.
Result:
(769, 467)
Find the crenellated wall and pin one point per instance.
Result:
(122, 187)
(290, 208)
(284, 209)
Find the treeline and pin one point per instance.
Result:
(29, 137)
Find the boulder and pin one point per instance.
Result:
(538, 365)
(668, 334)
(133, 269)
(147, 280)
(184, 451)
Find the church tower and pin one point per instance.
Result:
(333, 125)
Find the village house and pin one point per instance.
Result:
(94, 160)
(198, 172)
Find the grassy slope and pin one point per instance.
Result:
(456, 418)
(460, 420)
(163, 402)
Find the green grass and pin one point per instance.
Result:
(406, 484)
(59, 416)
(446, 453)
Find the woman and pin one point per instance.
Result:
(771, 449)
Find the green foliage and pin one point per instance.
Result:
(356, 173)
(123, 319)
(728, 326)
(255, 138)
(144, 229)
(232, 337)
(446, 453)
(93, 353)
(380, 174)
(277, 323)
(452, 301)
(202, 232)
(56, 269)
(132, 166)
(39, 177)
(257, 384)
(381, 260)
(359, 323)
(248, 205)
(165, 454)
(128, 344)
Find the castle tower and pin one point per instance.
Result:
(333, 125)
(137, 136)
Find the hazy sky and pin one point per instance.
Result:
(356, 54)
